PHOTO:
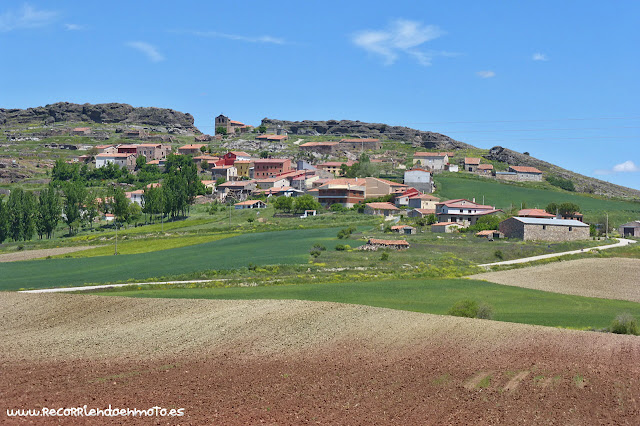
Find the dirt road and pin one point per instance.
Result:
(38, 254)
(293, 362)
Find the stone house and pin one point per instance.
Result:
(432, 161)
(631, 229)
(320, 147)
(120, 159)
(358, 144)
(531, 228)
(380, 209)
(250, 204)
(346, 192)
(228, 172)
(446, 227)
(420, 212)
(81, 131)
(423, 201)
(191, 149)
(485, 169)
(403, 229)
(471, 164)
(526, 174)
(391, 244)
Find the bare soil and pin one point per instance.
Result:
(609, 278)
(40, 253)
(294, 362)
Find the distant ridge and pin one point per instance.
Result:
(97, 113)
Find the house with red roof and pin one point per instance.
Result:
(432, 161)
(272, 138)
(402, 198)
(423, 201)
(471, 164)
(462, 211)
(191, 149)
(381, 209)
(327, 147)
(347, 192)
(377, 243)
(270, 167)
(230, 126)
(526, 173)
(81, 131)
(232, 156)
(539, 213)
(378, 187)
(250, 204)
(485, 169)
(334, 167)
(360, 144)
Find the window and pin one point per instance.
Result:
(544, 227)
(570, 228)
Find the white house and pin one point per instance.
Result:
(227, 172)
(250, 204)
(123, 160)
(462, 211)
(136, 196)
(419, 179)
(434, 161)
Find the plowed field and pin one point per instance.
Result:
(292, 362)
(614, 278)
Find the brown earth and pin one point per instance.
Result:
(294, 362)
(40, 253)
(614, 278)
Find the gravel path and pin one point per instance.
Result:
(38, 254)
(295, 362)
(621, 243)
(613, 278)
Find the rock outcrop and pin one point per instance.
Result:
(582, 183)
(99, 113)
(348, 128)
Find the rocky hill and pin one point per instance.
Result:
(582, 183)
(417, 138)
(65, 112)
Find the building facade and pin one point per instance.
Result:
(538, 229)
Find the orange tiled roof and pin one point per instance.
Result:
(471, 160)
(382, 206)
(524, 169)
(388, 242)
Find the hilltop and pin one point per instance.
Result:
(114, 113)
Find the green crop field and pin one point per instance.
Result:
(281, 247)
(511, 304)
(503, 196)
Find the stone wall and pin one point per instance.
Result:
(513, 228)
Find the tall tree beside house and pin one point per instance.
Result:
(65, 172)
(49, 211)
(75, 194)
(183, 177)
(119, 204)
(4, 229)
(92, 207)
(134, 213)
(283, 203)
(21, 212)
(141, 161)
(305, 202)
(175, 190)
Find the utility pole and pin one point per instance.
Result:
(116, 250)
(606, 230)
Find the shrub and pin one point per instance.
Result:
(385, 256)
(315, 253)
(624, 323)
(565, 184)
(342, 247)
(20, 247)
(250, 220)
(346, 232)
(338, 208)
(319, 247)
(464, 308)
(498, 254)
(485, 311)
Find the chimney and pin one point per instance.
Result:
(474, 199)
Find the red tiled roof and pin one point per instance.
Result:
(271, 160)
(81, 129)
(249, 202)
(471, 160)
(524, 169)
(468, 204)
(327, 143)
(485, 167)
(192, 146)
(382, 206)
(424, 197)
(446, 223)
(123, 154)
(240, 154)
(534, 213)
(388, 242)
(430, 154)
(426, 211)
(485, 233)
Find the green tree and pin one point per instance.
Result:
(221, 131)
(431, 219)
(4, 228)
(21, 215)
(75, 194)
(64, 172)
(92, 208)
(134, 213)
(141, 161)
(563, 209)
(264, 154)
(204, 165)
(203, 149)
(283, 203)
(305, 202)
(119, 204)
(48, 212)
(488, 222)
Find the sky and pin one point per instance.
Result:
(555, 79)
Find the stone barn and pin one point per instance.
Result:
(631, 229)
(531, 228)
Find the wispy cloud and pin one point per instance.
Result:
(26, 18)
(237, 37)
(626, 167)
(401, 37)
(73, 27)
(486, 74)
(148, 49)
(539, 57)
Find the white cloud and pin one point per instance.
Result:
(540, 57)
(73, 27)
(26, 18)
(248, 39)
(626, 167)
(148, 49)
(486, 74)
(401, 37)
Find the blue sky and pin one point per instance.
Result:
(556, 79)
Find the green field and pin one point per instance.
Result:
(269, 248)
(503, 196)
(512, 304)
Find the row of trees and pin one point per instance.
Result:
(297, 204)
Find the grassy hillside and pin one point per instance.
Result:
(512, 304)
(283, 247)
(504, 195)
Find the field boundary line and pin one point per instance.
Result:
(103, 286)
(621, 243)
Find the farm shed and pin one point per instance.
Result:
(530, 228)
(446, 227)
(392, 244)
(404, 229)
(490, 234)
(631, 229)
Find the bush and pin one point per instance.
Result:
(565, 184)
(464, 308)
(343, 247)
(315, 253)
(485, 311)
(385, 256)
(624, 323)
(338, 208)
(498, 254)
(346, 232)
(319, 247)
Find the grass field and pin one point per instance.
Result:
(503, 196)
(281, 247)
(512, 304)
